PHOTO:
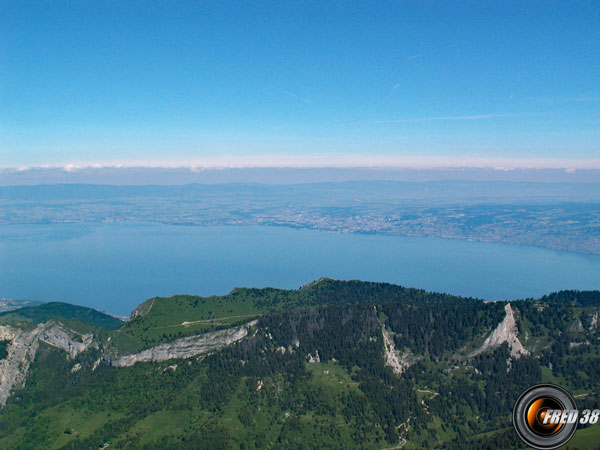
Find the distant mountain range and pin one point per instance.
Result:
(335, 364)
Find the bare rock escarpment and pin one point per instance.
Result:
(186, 347)
(506, 331)
(23, 345)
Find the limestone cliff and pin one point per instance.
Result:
(186, 347)
(23, 345)
(68, 340)
(506, 331)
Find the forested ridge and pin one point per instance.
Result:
(314, 372)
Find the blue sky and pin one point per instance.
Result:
(300, 83)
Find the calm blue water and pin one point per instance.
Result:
(115, 267)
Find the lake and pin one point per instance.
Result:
(114, 267)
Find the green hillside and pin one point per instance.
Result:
(314, 372)
(163, 319)
(57, 310)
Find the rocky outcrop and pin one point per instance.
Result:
(506, 331)
(392, 357)
(594, 321)
(576, 327)
(21, 353)
(186, 347)
(313, 359)
(71, 342)
(142, 309)
(398, 364)
(24, 345)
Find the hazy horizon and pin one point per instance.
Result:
(282, 175)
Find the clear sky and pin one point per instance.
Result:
(300, 83)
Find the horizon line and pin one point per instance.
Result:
(375, 162)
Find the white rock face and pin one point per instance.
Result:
(24, 345)
(392, 359)
(73, 343)
(594, 322)
(96, 364)
(313, 359)
(506, 331)
(21, 353)
(186, 347)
